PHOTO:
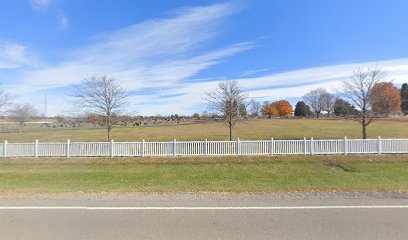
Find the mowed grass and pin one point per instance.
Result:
(206, 174)
(250, 130)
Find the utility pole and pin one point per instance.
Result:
(45, 104)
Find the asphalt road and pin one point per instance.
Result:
(205, 216)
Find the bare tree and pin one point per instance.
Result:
(226, 100)
(358, 90)
(103, 96)
(22, 113)
(316, 100)
(328, 103)
(5, 98)
(254, 108)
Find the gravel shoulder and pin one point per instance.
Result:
(205, 199)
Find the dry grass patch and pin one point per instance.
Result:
(250, 130)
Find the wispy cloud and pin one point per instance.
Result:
(299, 82)
(13, 55)
(41, 6)
(254, 72)
(159, 61)
(63, 21)
(157, 54)
(38, 5)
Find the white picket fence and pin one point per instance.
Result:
(204, 148)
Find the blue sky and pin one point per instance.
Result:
(169, 53)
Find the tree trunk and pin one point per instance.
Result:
(230, 133)
(109, 125)
(109, 134)
(364, 124)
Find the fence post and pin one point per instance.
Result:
(311, 146)
(143, 148)
(238, 147)
(5, 149)
(174, 147)
(112, 145)
(272, 147)
(345, 146)
(379, 147)
(36, 148)
(206, 147)
(68, 148)
(304, 145)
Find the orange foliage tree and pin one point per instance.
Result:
(284, 108)
(279, 108)
(385, 99)
(270, 110)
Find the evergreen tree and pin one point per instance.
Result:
(404, 98)
(242, 110)
(343, 108)
(302, 109)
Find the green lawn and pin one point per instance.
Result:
(252, 129)
(206, 174)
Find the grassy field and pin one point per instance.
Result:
(201, 174)
(251, 129)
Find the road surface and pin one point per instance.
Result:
(205, 216)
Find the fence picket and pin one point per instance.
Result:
(5, 149)
(311, 146)
(68, 150)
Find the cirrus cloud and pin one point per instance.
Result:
(14, 55)
(38, 5)
(155, 54)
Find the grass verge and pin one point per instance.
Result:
(206, 174)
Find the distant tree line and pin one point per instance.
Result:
(365, 96)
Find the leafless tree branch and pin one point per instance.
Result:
(319, 100)
(5, 98)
